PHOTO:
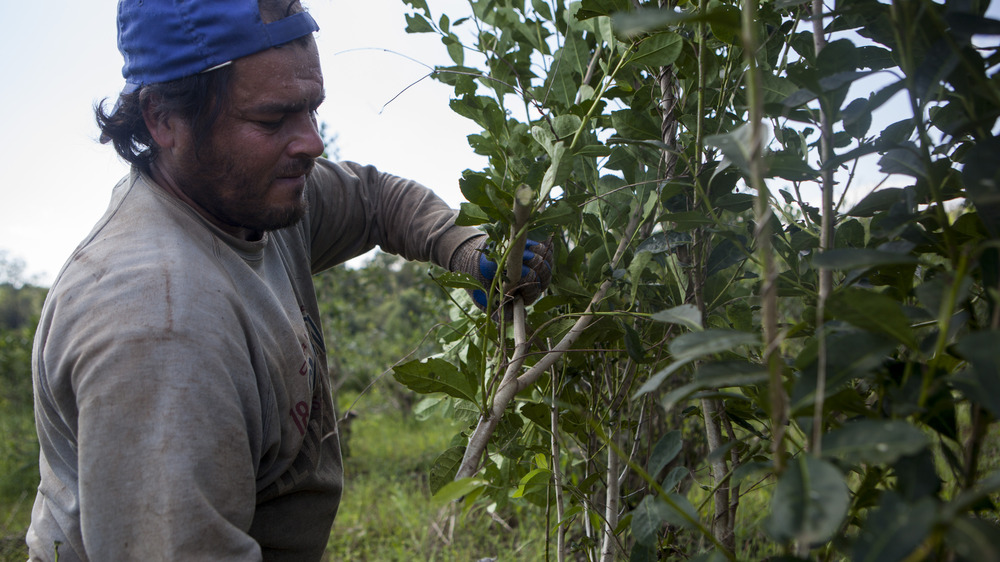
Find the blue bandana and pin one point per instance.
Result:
(163, 40)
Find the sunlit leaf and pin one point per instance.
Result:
(686, 315)
(458, 489)
(532, 481)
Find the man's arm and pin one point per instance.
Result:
(353, 208)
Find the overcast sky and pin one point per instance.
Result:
(60, 57)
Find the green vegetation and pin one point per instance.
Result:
(387, 513)
(20, 304)
(775, 308)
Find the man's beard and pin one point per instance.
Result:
(235, 195)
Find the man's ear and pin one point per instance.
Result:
(163, 126)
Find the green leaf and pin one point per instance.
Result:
(455, 49)
(903, 160)
(416, 23)
(594, 8)
(693, 345)
(735, 146)
(983, 386)
(445, 468)
(665, 450)
(435, 375)
(737, 375)
(857, 118)
(680, 512)
(872, 311)
(809, 502)
(981, 175)
(419, 5)
(647, 519)
(645, 20)
(642, 553)
(532, 481)
(633, 345)
(974, 539)
(877, 201)
(558, 171)
(661, 49)
(966, 499)
(471, 215)
(789, 166)
(894, 530)
(458, 489)
(456, 280)
(726, 254)
(874, 441)
(686, 315)
(860, 258)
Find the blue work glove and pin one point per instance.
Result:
(536, 269)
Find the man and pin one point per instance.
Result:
(182, 400)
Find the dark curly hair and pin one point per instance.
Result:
(198, 99)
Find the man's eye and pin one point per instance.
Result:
(271, 124)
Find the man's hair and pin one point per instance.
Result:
(198, 100)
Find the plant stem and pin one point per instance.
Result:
(826, 240)
(610, 505)
(557, 474)
(769, 287)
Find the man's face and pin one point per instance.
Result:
(250, 175)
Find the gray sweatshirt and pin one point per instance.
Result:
(181, 392)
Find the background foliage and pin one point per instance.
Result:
(771, 327)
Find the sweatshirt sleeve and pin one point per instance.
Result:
(353, 208)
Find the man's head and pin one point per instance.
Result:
(219, 105)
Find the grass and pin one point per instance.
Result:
(387, 513)
(18, 479)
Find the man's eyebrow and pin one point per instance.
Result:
(289, 107)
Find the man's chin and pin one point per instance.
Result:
(279, 219)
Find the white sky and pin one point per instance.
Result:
(60, 57)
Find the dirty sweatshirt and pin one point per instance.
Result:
(182, 401)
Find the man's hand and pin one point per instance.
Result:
(536, 269)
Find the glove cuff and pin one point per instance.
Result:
(467, 256)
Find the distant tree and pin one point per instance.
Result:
(375, 315)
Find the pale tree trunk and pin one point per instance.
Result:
(611, 501)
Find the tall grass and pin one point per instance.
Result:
(387, 513)
(18, 479)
